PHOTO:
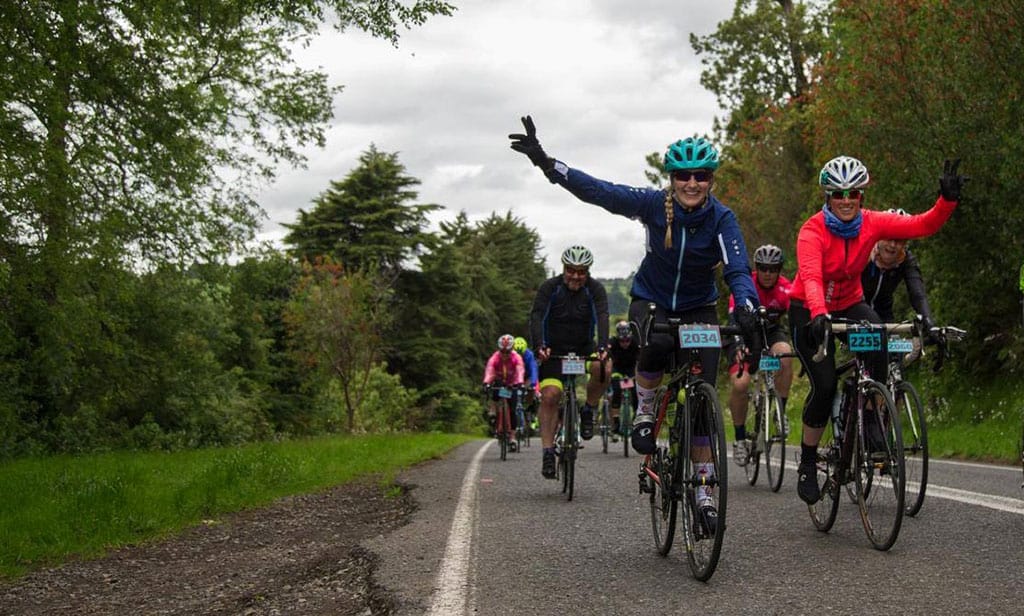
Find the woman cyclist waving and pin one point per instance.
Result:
(689, 233)
(832, 249)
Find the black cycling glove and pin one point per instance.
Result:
(950, 183)
(819, 329)
(747, 322)
(528, 144)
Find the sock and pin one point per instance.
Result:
(645, 400)
(808, 454)
(741, 431)
(705, 495)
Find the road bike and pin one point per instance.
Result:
(864, 449)
(766, 424)
(690, 435)
(902, 353)
(503, 419)
(567, 440)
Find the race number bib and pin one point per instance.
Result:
(699, 336)
(769, 363)
(504, 392)
(900, 345)
(863, 341)
(573, 366)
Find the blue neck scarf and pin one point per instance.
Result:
(845, 230)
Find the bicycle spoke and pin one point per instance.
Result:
(703, 545)
(774, 442)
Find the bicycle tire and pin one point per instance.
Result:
(881, 480)
(915, 444)
(569, 446)
(703, 549)
(824, 512)
(605, 426)
(664, 505)
(501, 427)
(775, 441)
(755, 434)
(626, 422)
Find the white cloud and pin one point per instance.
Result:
(607, 82)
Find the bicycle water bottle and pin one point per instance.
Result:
(837, 420)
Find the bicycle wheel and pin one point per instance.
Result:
(755, 433)
(605, 425)
(569, 448)
(626, 421)
(824, 512)
(915, 444)
(703, 546)
(774, 441)
(881, 477)
(664, 507)
(502, 425)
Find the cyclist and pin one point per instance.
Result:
(504, 367)
(689, 233)
(568, 311)
(833, 247)
(530, 377)
(891, 263)
(624, 352)
(773, 293)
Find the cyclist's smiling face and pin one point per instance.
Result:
(575, 277)
(691, 188)
(844, 205)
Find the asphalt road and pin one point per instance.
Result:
(494, 537)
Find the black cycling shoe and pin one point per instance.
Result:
(587, 422)
(643, 435)
(807, 483)
(709, 519)
(547, 467)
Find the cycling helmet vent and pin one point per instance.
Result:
(691, 153)
(577, 256)
(843, 173)
(769, 254)
(506, 342)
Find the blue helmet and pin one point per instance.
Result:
(691, 153)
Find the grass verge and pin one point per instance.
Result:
(61, 507)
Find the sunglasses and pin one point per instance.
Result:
(684, 176)
(576, 271)
(846, 194)
(769, 268)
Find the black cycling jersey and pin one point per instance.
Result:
(568, 321)
(880, 285)
(623, 359)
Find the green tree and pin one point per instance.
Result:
(337, 318)
(365, 220)
(902, 103)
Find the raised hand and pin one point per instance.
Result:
(528, 144)
(950, 182)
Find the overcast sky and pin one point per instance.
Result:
(606, 81)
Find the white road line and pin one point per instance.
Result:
(991, 501)
(452, 582)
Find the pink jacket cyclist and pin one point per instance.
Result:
(506, 367)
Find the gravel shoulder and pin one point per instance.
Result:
(300, 555)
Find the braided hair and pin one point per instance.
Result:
(669, 215)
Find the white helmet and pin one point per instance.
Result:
(843, 173)
(577, 256)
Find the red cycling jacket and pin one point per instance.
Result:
(829, 267)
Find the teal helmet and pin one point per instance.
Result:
(691, 153)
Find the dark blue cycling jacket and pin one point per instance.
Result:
(681, 277)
